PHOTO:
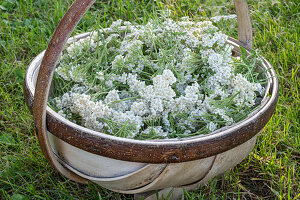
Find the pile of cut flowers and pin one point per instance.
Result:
(164, 79)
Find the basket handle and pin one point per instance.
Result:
(54, 50)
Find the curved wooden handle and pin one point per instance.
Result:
(55, 48)
(44, 79)
(244, 23)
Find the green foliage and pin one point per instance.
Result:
(272, 170)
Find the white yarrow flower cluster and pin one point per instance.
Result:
(159, 80)
(222, 17)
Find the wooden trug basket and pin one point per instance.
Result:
(133, 166)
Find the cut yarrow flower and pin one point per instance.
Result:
(164, 79)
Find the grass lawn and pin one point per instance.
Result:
(272, 170)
